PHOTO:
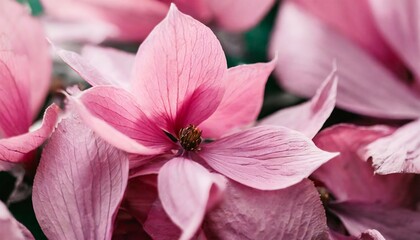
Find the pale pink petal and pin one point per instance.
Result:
(159, 226)
(243, 84)
(365, 87)
(178, 72)
(78, 188)
(397, 21)
(265, 157)
(11, 229)
(308, 117)
(295, 212)
(396, 153)
(350, 178)
(186, 190)
(23, 35)
(239, 15)
(14, 149)
(198, 9)
(392, 223)
(120, 121)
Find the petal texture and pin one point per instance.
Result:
(78, 188)
(308, 117)
(243, 84)
(178, 72)
(265, 157)
(245, 213)
(10, 228)
(186, 190)
(399, 152)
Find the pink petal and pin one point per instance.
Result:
(308, 117)
(186, 190)
(159, 225)
(399, 152)
(265, 157)
(243, 84)
(120, 121)
(350, 178)
(245, 213)
(198, 9)
(371, 234)
(397, 23)
(127, 227)
(366, 87)
(178, 72)
(23, 35)
(392, 223)
(234, 15)
(11, 229)
(78, 188)
(14, 149)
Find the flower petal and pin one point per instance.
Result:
(14, 149)
(396, 153)
(159, 226)
(234, 15)
(366, 86)
(120, 121)
(308, 117)
(186, 190)
(178, 72)
(243, 84)
(371, 234)
(359, 217)
(265, 157)
(78, 188)
(350, 178)
(10, 228)
(295, 212)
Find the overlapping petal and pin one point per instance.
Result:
(308, 117)
(178, 72)
(78, 188)
(10, 228)
(186, 190)
(265, 157)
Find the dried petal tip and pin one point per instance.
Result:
(190, 138)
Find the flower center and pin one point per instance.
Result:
(190, 138)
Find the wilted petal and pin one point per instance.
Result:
(11, 229)
(308, 117)
(234, 15)
(78, 188)
(13, 149)
(265, 157)
(186, 190)
(178, 72)
(350, 178)
(396, 153)
(295, 212)
(119, 120)
(365, 87)
(242, 101)
(392, 223)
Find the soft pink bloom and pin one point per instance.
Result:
(181, 92)
(374, 42)
(361, 199)
(11, 229)
(133, 20)
(25, 69)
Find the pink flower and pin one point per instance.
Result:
(181, 104)
(374, 42)
(10, 228)
(25, 69)
(132, 20)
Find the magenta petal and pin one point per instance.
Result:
(265, 157)
(350, 178)
(295, 212)
(244, 83)
(11, 229)
(178, 72)
(392, 223)
(78, 188)
(371, 234)
(304, 61)
(159, 225)
(119, 120)
(398, 152)
(308, 117)
(13, 149)
(186, 189)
